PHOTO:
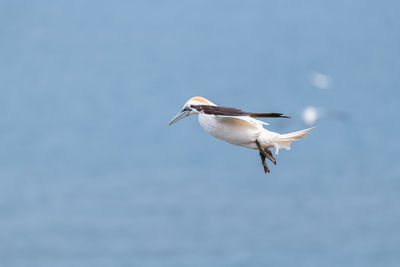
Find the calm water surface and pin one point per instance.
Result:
(90, 174)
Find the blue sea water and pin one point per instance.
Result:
(91, 175)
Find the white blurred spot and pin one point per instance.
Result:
(321, 80)
(310, 115)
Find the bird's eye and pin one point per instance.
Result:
(186, 109)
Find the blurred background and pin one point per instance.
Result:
(91, 175)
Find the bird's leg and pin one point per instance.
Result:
(269, 155)
(266, 169)
(263, 155)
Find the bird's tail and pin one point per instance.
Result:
(285, 140)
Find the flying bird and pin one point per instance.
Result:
(239, 127)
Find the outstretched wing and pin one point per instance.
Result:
(227, 111)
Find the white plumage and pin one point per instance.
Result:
(241, 129)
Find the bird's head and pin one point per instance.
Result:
(188, 110)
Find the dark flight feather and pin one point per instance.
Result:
(226, 111)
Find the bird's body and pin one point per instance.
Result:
(232, 130)
(238, 127)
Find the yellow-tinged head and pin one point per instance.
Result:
(198, 100)
(187, 110)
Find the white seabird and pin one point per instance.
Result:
(239, 128)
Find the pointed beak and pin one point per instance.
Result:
(179, 116)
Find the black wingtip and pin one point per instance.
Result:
(268, 115)
(280, 115)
